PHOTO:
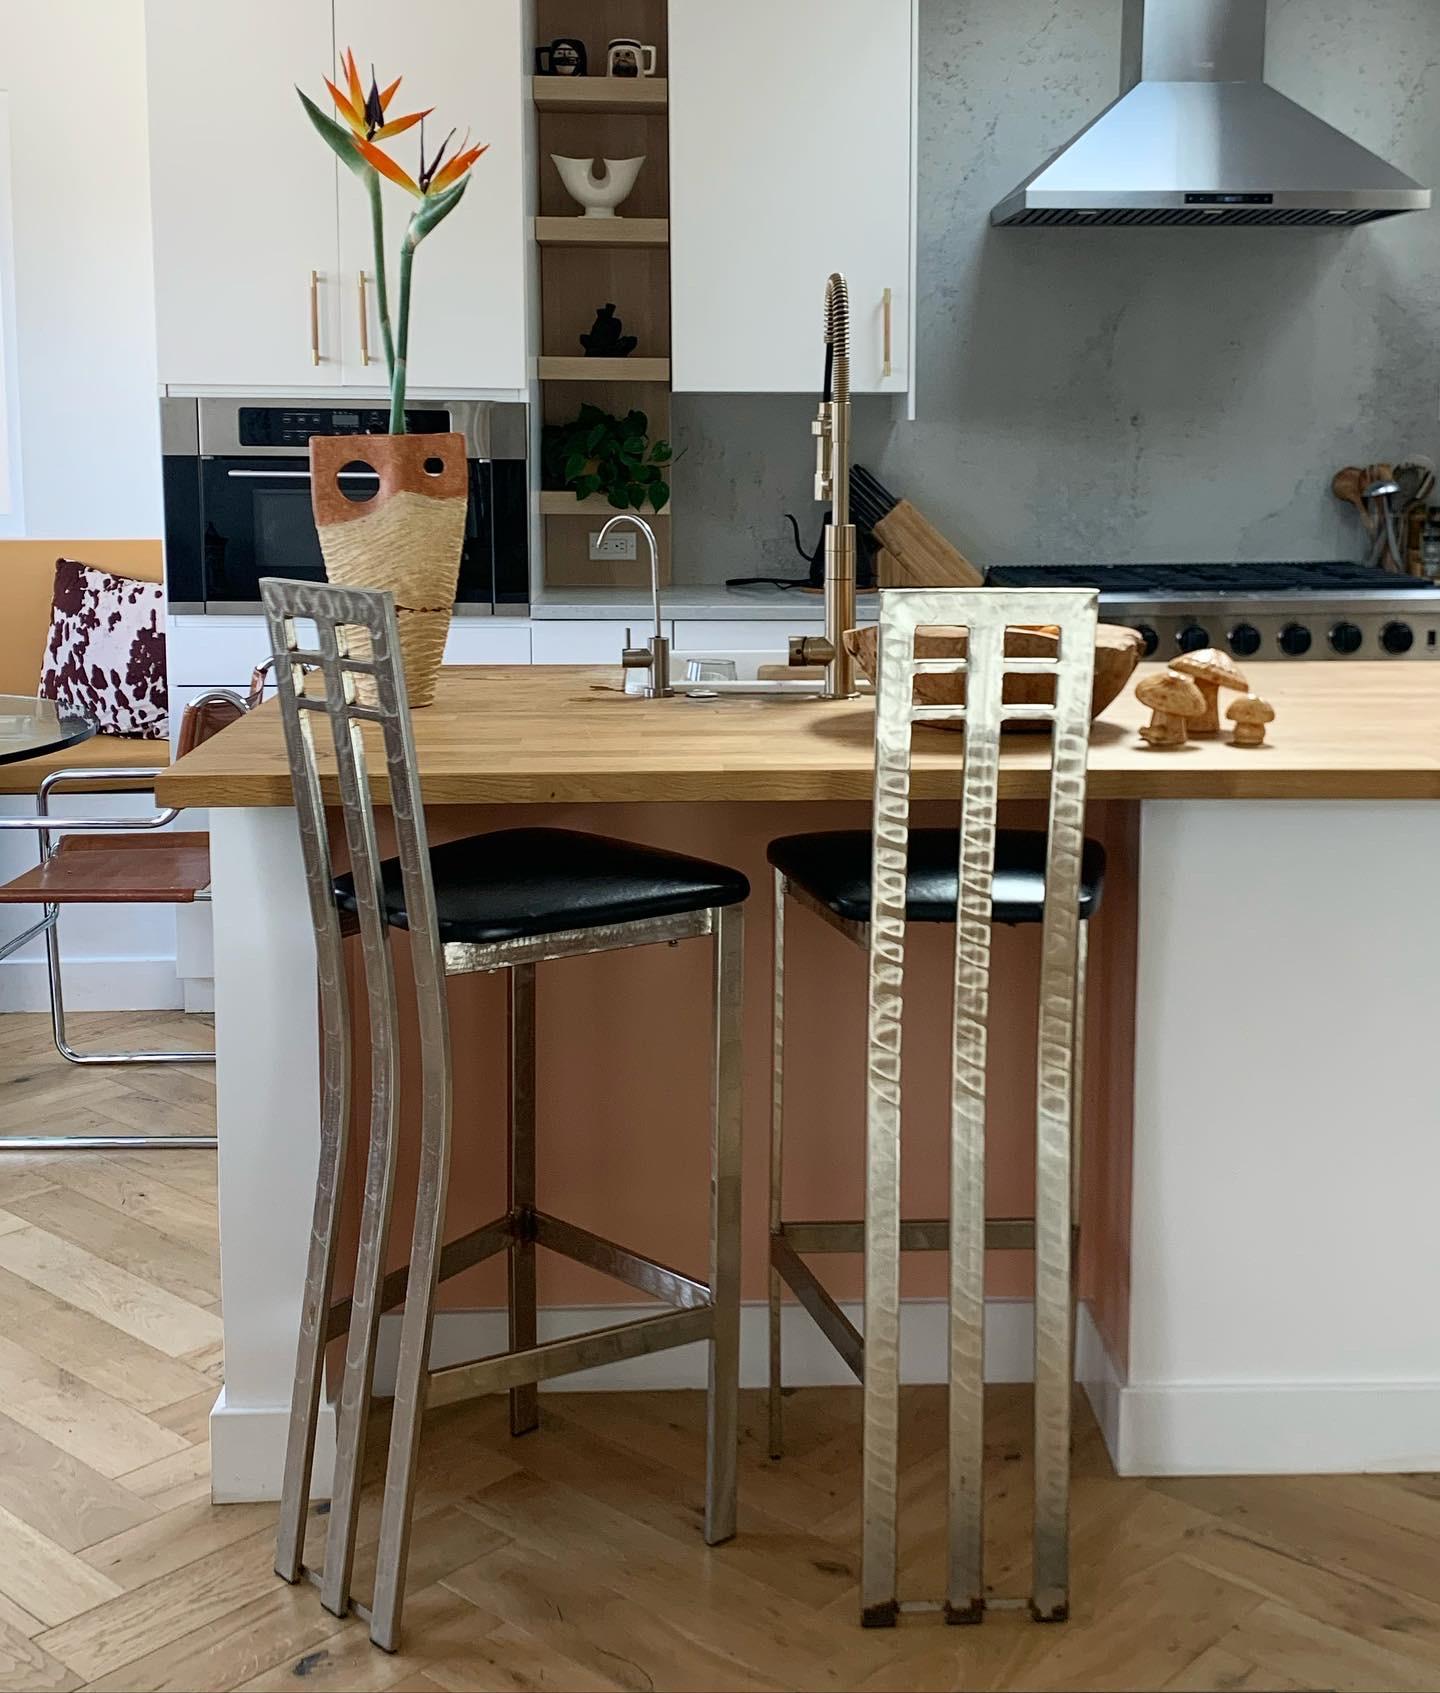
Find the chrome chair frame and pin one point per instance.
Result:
(708, 1311)
(1052, 1233)
(45, 825)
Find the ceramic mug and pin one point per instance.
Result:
(565, 56)
(629, 57)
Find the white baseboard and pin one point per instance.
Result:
(247, 1451)
(1192, 1429)
(1277, 1428)
(93, 984)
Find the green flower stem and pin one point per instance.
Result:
(402, 344)
(382, 284)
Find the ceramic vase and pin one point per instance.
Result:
(598, 194)
(405, 537)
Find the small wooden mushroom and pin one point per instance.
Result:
(1210, 670)
(1175, 701)
(1250, 714)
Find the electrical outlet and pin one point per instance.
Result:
(619, 545)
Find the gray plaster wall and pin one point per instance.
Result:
(1125, 394)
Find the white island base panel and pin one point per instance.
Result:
(1285, 1254)
(1285, 1264)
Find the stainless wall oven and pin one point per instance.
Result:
(237, 496)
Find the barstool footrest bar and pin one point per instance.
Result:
(582, 1246)
(563, 1357)
(461, 1254)
(832, 1321)
(929, 1234)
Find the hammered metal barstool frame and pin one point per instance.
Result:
(874, 1357)
(702, 1311)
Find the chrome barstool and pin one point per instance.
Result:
(502, 901)
(868, 885)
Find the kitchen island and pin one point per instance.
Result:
(1262, 1150)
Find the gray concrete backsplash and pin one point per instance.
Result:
(1120, 394)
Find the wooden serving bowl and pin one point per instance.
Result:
(1117, 652)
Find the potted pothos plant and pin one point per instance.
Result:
(408, 536)
(597, 453)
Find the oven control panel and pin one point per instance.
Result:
(1408, 631)
(280, 427)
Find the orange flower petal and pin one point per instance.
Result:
(388, 94)
(355, 119)
(399, 125)
(387, 166)
(352, 76)
(451, 173)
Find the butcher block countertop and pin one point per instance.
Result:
(513, 734)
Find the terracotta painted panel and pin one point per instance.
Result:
(623, 1079)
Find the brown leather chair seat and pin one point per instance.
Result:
(118, 869)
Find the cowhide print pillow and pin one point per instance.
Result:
(106, 655)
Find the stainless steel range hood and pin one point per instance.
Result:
(1198, 136)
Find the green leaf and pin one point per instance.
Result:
(618, 498)
(575, 466)
(637, 496)
(647, 473)
(337, 137)
(436, 208)
(586, 486)
(659, 495)
(660, 453)
(634, 447)
(595, 438)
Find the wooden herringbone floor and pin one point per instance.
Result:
(572, 1559)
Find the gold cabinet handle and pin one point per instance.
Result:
(314, 317)
(887, 303)
(364, 324)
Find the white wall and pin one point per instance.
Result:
(84, 290)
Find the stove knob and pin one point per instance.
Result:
(1397, 638)
(1346, 638)
(1295, 640)
(1245, 640)
(1192, 637)
(1149, 638)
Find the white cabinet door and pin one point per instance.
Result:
(243, 194)
(790, 157)
(467, 320)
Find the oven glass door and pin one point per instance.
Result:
(256, 521)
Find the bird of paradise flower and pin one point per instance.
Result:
(439, 184)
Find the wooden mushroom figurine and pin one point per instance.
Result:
(1175, 701)
(1250, 714)
(1210, 670)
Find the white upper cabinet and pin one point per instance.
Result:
(467, 318)
(239, 231)
(790, 157)
(243, 194)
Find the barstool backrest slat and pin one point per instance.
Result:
(986, 614)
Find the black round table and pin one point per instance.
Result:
(31, 727)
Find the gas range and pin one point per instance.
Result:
(1324, 609)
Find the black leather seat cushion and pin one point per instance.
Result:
(835, 869)
(515, 883)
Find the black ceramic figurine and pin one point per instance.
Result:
(565, 56)
(606, 340)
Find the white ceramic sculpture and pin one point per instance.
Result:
(598, 194)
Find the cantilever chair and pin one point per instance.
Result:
(114, 861)
(869, 886)
(504, 901)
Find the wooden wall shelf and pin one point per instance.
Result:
(604, 370)
(602, 232)
(601, 93)
(566, 505)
